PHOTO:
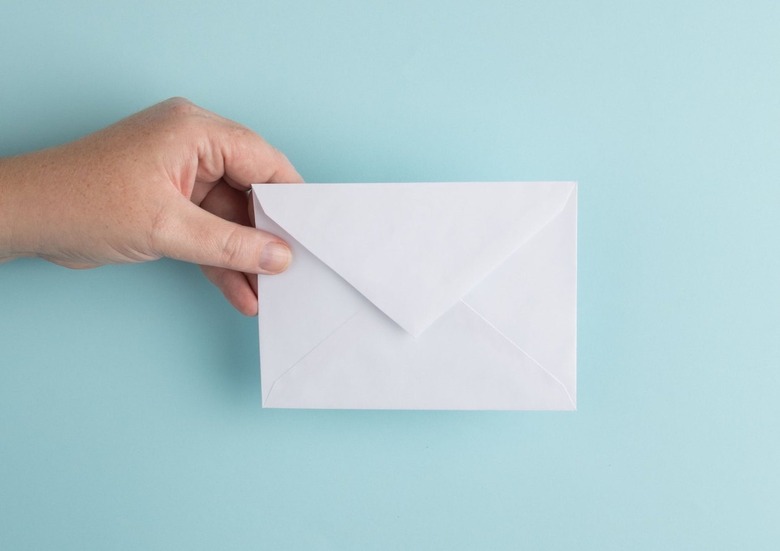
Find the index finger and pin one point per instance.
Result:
(242, 157)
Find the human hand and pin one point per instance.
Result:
(172, 180)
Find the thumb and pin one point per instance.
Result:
(197, 236)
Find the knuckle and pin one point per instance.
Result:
(181, 121)
(179, 103)
(180, 109)
(234, 249)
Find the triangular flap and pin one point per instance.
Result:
(413, 249)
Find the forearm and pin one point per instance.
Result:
(20, 178)
(9, 209)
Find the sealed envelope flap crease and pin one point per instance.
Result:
(380, 239)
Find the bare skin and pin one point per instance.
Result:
(171, 181)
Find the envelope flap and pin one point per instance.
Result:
(413, 249)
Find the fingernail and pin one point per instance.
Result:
(275, 257)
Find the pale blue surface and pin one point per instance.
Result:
(129, 396)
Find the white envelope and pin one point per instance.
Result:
(421, 296)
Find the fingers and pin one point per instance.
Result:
(235, 287)
(230, 158)
(192, 234)
(238, 289)
(228, 203)
(241, 157)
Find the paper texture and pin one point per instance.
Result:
(420, 296)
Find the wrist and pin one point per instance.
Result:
(17, 217)
(7, 211)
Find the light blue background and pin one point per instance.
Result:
(129, 396)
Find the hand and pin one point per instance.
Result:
(172, 181)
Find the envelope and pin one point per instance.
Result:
(455, 296)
